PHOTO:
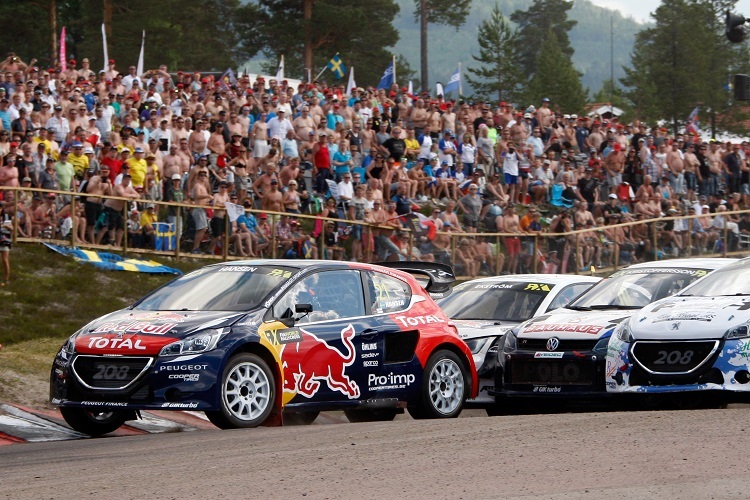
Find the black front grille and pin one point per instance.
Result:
(640, 377)
(102, 372)
(673, 357)
(565, 345)
(557, 372)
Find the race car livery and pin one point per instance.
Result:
(485, 308)
(693, 342)
(251, 342)
(562, 354)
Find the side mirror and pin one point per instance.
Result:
(303, 308)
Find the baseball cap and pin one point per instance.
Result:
(263, 216)
(26, 179)
(139, 150)
(612, 196)
(176, 177)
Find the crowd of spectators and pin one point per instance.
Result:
(370, 156)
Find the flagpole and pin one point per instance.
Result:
(104, 43)
(460, 92)
(394, 69)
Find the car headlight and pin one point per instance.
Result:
(475, 345)
(198, 343)
(738, 332)
(624, 332)
(511, 341)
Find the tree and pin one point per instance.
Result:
(498, 58)
(533, 24)
(446, 12)
(556, 78)
(359, 31)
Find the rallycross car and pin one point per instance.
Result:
(254, 342)
(562, 354)
(485, 308)
(695, 345)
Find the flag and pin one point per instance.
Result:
(387, 80)
(228, 79)
(410, 91)
(140, 57)
(693, 122)
(455, 82)
(420, 225)
(113, 262)
(234, 211)
(280, 71)
(104, 44)
(63, 54)
(439, 89)
(352, 84)
(337, 67)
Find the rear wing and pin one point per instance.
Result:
(434, 277)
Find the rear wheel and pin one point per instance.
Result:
(248, 393)
(380, 415)
(94, 423)
(300, 418)
(444, 387)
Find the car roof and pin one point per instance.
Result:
(298, 263)
(704, 263)
(552, 279)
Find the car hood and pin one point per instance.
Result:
(469, 329)
(146, 332)
(690, 318)
(573, 325)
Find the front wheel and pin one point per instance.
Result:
(94, 423)
(444, 387)
(248, 393)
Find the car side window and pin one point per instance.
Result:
(388, 294)
(567, 295)
(333, 295)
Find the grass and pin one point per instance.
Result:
(50, 297)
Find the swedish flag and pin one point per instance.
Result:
(337, 67)
(113, 262)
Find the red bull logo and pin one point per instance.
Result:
(311, 361)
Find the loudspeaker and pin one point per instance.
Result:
(741, 88)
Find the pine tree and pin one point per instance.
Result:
(533, 25)
(498, 72)
(556, 78)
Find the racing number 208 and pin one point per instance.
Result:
(110, 372)
(674, 358)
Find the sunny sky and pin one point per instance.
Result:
(640, 10)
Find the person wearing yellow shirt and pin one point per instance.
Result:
(138, 168)
(148, 218)
(43, 138)
(412, 145)
(152, 169)
(79, 161)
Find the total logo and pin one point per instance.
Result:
(115, 343)
(419, 320)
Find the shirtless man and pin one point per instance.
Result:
(303, 124)
(263, 183)
(220, 201)
(114, 208)
(197, 140)
(289, 172)
(419, 117)
(433, 117)
(172, 163)
(200, 195)
(216, 144)
(234, 125)
(97, 186)
(544, 117)
(692, 172)
(259, 137)
(9, 172)
(449, 216)
(272, 199)
(511, 224)
(518, 130)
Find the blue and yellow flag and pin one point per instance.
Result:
(337, 67)
(113, 262)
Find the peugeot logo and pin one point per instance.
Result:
(553, 344)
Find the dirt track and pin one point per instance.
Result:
(688, 454)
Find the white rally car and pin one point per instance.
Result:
(484, 309)
(697, 340)
(562, 354)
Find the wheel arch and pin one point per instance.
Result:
(466, 360)
(275, 419)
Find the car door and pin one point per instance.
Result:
(321, 353)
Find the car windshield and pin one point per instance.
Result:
(220, 288)
(731, 280)
(495, 301)
(636, 288)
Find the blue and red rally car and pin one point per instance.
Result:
(257, 342)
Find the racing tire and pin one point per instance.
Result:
(248, 393)
(94, 423)
(381, 415)
(300, 418)
(445, 387)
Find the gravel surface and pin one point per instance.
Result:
(686, 454)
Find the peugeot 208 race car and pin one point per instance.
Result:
(485, 308)
(244, 341)
(563, 353)
(694, 345)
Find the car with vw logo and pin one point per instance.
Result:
(693, 347)
(262, 342)
(484, 309)
(562, 354)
